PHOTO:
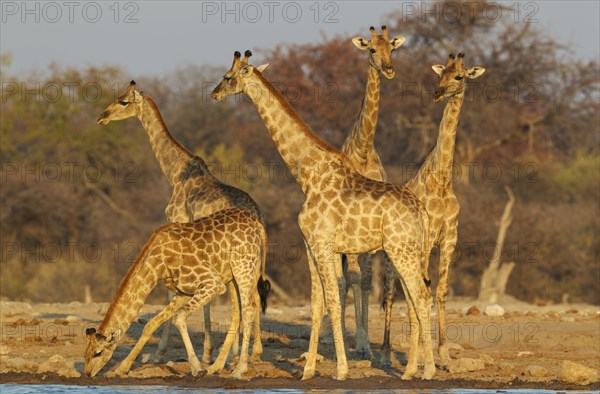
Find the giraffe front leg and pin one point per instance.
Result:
(211, 286)
(389, 290)
(207, 351)
(149, 328)
(447, 246)
(316, 311)
(363, 342)
(326, 264)
(161, 349)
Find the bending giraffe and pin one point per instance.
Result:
(433, 187)
(343, 213)
(359, 147)
(196, 192)
(195, 260)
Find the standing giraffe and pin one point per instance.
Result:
(433, 186)
(343, 213)
(196, 192)
(195, 260)
(359, 147)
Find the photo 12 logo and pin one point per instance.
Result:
(69, 11)
(270, 11)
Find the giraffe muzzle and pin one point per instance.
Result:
(103, 118)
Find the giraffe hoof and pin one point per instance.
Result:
(428, 373)
(386, 365)
(364, 354)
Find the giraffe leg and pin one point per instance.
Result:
(363, 342)
(235, 315)
(343, 287)
(326, 264)
(149, 329)
(257, 348)
(207, 351)
(447, 245)
(161, 349)
(419, 297)
(232, 332)
(316, 312)
(389, 289)
(211, 286)
(248, 318)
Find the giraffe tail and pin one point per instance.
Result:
(263, 286)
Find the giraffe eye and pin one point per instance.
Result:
(97, 354)
(458, 77)
(372, 50)
(123, 102)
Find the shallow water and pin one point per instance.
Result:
(58, 388)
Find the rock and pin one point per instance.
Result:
(473, 311)
(279, 357)
(4, 350)
(58, 365)
(535, 371)
(553, 315)
(146, 357)
(465, 365)
(571, 372)
(494, 310)
(369, 373)
(568, 318)
(363, 364)
(72, 318)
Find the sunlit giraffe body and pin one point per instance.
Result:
(343, 213)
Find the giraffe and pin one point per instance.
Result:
(195, 260)
(196, 192)
(343, 213)
(359, 147)
(433, 187)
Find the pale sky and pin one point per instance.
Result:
(156, 37)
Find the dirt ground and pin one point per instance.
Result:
(525, 348)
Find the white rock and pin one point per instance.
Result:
(494, 310)
(568, 318)
(536, 371)
(576, 373)
(72, 318)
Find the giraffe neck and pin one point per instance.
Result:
(360, 143)
(133, 291)
(172, 157)
(306, 155)
(438, 165)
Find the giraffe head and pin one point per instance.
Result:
(453, 77)
(125, 106)
(380, 48)
(99, 350)
(237, 79)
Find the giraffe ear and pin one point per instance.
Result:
(246, 71)
(438, 69)
(263, 67)
(397, 41)
(360, 43)
(474, 72)
(114, 337)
